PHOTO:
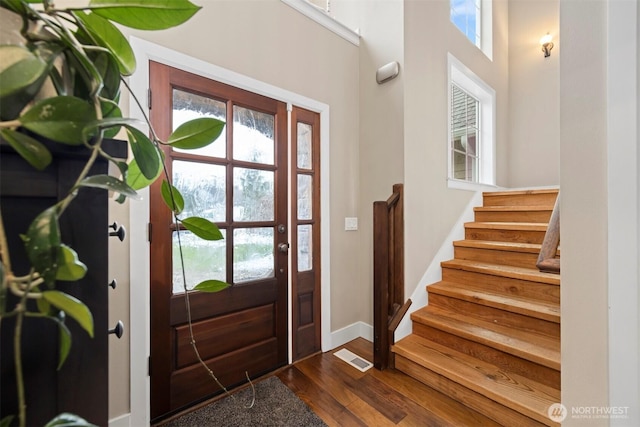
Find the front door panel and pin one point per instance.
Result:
(240, 183)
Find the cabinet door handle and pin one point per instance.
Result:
(120, 232)
(113, 284)
(118, 330)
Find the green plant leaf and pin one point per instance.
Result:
(64, 343)
(110, 110)
(19, 69)
(18, 7)
(211, 286)
(135, 178)
(110, 183)
(6, 421)
(106, 34)
(70, 268)
(68, 420)
(43, 306)
(147, 14)
(145, 152)
(167, 190)
(108, 69)
(30, 149)
(202, 228)
(21, 76)
(196, 133)
(72, 307)
(42, 243)
(61, 118)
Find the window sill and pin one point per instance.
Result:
(470, 186)
(318, 15)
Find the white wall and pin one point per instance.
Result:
(534, 94)
(583, 179)
(431, 208)
(623, 201)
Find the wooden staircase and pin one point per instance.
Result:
(490, 335)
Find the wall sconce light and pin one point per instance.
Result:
(546, 44)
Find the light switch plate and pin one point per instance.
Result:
(350, 224)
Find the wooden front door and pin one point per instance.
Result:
(240, 183)
(305, 232)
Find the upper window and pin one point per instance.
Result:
(471, 126)
(475, 19)
(465, 132)
(466, 15)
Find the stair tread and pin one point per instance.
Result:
(537, 348)
(515, 208)
(521, 305)
(503, 271)
(499, 225)
(514, 391)
(533, 248)
(521, 192)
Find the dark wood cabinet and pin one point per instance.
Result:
(81, 385)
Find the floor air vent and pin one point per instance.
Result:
(353, 359)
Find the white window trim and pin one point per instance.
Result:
(323, 18)
(468, 81)
(486, 28)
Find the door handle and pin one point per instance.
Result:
(283, 248)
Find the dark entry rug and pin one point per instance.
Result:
(276, 405)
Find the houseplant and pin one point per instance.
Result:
(61, 72)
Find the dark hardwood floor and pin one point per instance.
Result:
(343, 396)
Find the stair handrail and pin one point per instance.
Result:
(388, 274)
(547, 261)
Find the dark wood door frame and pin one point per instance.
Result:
(138, 236)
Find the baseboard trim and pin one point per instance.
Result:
(123, 420)
(350, 333)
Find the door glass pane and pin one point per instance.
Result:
(253, 254)
(203, 260)
(188, 106)
(305, 196)
(253, 195)
(203, 187)
(253, 136)
(304, 146)
(305, 248)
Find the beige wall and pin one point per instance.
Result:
(431, 208)
(583, 178)
(381, 154)
(271, 42)
(534, 94)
